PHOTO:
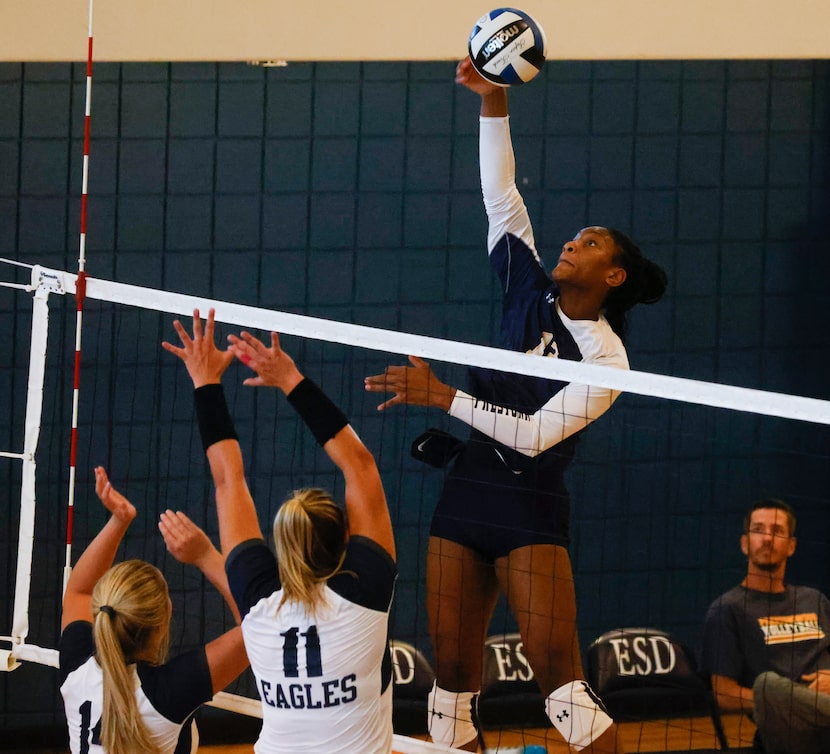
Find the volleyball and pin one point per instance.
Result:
(507, 47)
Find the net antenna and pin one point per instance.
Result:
(80, 295)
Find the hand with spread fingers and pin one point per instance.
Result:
(415, 384)
(204, 361)
(273, 366)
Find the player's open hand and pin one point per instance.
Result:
(204, 361)
(466, 75)
(121, 508)
(273, 366)
(416, 384)
(185, 541)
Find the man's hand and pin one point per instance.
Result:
(819, 681)
(204, 361)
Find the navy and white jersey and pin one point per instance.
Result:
(324, 679)
(528, 416)
(167, 695)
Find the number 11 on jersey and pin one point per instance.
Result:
(290, 658)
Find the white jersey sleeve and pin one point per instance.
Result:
(506, 210)
(567, 412)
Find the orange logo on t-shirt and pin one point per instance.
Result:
(784, 629)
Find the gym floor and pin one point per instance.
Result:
(679, 735)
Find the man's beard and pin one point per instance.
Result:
(767, 566)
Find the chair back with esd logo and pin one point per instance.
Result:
(646, 674)
(509, 692)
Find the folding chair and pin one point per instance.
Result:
(645, 674)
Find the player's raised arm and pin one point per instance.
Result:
(188, 543)
(365, 499)
(206, 364)
(99, 556)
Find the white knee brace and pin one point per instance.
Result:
(452, 716)
(577, 713)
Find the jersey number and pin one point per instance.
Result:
(290, 649)
(85, 711)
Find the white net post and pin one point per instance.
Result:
(43, 283)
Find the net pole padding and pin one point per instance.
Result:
(80, 289)
(42, 287)
(243, 705)
(29, 653)
(454, 352)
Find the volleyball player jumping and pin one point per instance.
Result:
(502, 519)
(315, 618)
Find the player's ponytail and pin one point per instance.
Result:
(131, 610)
(645, 282)
(310, 539)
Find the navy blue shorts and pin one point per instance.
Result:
(490, 507)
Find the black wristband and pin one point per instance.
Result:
(317, 410)
(215, 423)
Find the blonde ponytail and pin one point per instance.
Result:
(310, 539)
(131, 607)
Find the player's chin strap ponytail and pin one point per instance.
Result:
(577, 713)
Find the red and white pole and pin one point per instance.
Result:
(80, 294)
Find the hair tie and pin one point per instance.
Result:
(108, 610)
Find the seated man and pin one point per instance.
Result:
(765, 642)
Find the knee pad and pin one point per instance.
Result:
(452, 717)
(577, 713)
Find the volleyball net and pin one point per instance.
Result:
(657, 486)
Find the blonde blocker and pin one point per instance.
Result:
(310, 539)
(133, 626)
